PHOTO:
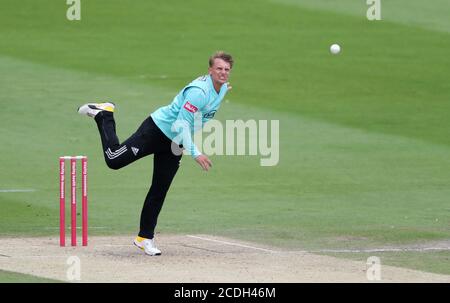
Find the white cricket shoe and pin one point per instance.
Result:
(147, 245)
(92, 109)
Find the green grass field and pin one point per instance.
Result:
(364, 136)
(12, 277)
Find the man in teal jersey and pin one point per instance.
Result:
(165, 133)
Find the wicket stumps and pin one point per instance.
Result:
(73, 200)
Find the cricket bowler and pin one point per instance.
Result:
(165, 134)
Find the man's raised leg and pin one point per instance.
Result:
(117, 155)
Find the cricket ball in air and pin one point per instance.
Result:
(335, 49)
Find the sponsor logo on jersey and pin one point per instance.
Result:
(210, 115)
(189, 107)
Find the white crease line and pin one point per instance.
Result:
(16, 190)
(234, 244)
(406, 249)
(381, 250)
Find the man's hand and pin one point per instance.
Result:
(229, 87)
(204, 162)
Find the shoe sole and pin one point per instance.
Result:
(96, 108)
(91, 107)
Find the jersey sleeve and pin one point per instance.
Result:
(189, 117)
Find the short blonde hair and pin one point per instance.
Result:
(221, 55)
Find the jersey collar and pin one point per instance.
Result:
(211, 85)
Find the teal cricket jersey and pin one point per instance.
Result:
(197, 102)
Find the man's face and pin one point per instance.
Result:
(220, 71)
